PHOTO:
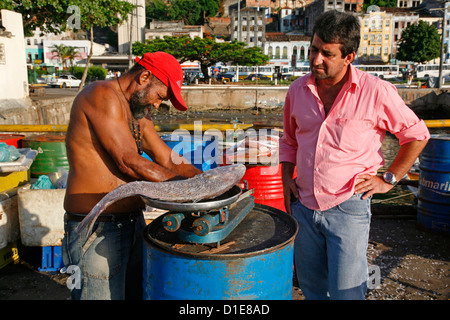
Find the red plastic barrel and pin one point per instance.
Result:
(267, 184)
(12, 139)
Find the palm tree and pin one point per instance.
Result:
(60, 51)
(71, 54)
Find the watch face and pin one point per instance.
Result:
(388, 176)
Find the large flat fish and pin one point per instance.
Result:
(206, 185)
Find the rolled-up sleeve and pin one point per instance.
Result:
(288, 142)
(397, 118)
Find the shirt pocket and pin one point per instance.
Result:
(353, 134)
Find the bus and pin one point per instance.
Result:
(300, 71)
(387, 71)
(245, 71)
(431, 70)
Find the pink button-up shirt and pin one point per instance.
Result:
(331, 151)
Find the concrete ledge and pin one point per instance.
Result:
(426, 103)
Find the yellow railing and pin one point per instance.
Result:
(160, 128)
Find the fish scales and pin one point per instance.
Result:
(206, 185)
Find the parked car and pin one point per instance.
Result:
(257, 76)
(190, 76)
(65, 81)
(226, 77)
(41, 80)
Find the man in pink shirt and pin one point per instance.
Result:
(335, 119)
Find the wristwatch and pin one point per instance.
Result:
(389, 177)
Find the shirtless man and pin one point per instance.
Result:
(108, 130)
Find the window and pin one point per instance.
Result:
(277, 53)
(366, 37)
(2, 54)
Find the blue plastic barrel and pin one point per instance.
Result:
(434, 186)
(257, 265)
(202, 152)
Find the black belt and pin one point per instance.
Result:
(104, 217)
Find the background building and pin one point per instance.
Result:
(133, 29)
(13, 67)
(249, 26)
(376, 34)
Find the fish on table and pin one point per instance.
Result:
(206, 185)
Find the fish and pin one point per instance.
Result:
(206, 185)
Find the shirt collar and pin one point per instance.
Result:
(353, 80)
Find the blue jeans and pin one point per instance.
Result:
(110, 260)
(331, 250)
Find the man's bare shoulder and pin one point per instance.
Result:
(99, 90)
(97, 96)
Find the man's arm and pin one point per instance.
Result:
(289, 187)
(109, 121)
(406, 156)
(162, 154)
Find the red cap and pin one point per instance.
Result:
(166, 68)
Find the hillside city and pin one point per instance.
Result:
(281, 28)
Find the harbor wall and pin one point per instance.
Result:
(426, 103)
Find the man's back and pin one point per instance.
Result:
(93, 172)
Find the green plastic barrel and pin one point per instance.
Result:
(51, 155)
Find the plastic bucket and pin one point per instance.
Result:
(258, 265)
(267, 184)
(12, 139)
(433, 212)
(51, 153)
(201, 152)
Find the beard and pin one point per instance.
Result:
(138, 108)
(321, 74)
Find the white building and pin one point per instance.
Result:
(408, 3)
(284, 49)
(447, 32)
(400, 21)
(13, 66)
(160, 29)
(51, 57)
(133, 29)
(249, 25)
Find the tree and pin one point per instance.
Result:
(157, 9)
(101, 13)
(187, 10)
(420, 42)
(380, 3)
(206, 51)
(71, 54)
(53, 16)
(60, 51)
(192, 12)
(65, 53)
(47, 15)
